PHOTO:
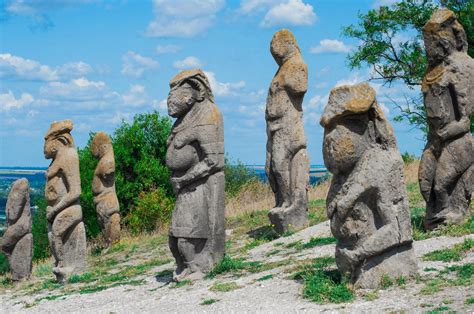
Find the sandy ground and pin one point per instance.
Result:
(276, 295)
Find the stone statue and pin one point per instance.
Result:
(195, 157)
(103, 187)
(17, 243)
(66, 231)
(367, 202)
(446, 172)
(287, 162)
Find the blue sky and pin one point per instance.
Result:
(101, 62)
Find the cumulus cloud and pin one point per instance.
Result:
(182, 18)
(162, 49)
(252, 6)
(353, 78)
(330, 45)
(136, 96)
(293, 12)
(221, 88)
(8, 101)
(187, 63)
(135, 65)
(19, 68)
(77, 90)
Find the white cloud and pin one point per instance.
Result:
(378, 3)
(19, 68)
(76, 90)
(26, 69)
(252, 6)
(294, 12)
(330, 45)
(353, 78)
(135, 65)
(182, 18)
(317, 102)
(187, 63)
(30, 7)
(223, 89)
(136, 96)
(162, 49)
(8, 101)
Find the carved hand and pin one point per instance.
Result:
(351, 256)
(176, 183)
(50, 213)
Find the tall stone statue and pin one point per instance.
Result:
(367, 202)
(446, 172)
(17, 243)
(103, 187)
(287, 162)
(195, 157)
(66, 232)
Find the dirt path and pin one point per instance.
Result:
(277, 294)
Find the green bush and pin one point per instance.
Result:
(4, 266)
(408, 158)
(151, 209)
(40, 231)
(236, 176)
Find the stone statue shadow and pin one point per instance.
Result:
(267, 233)
(165, 277)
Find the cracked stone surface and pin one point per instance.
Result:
(17, 242)
(446, 171)
(66, 231)
(287, 160)
(195, 156)
(367, 202)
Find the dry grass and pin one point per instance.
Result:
(411, 171)
(257, 195)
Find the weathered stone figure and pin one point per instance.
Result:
(446, 171)
(287, 162)
(66, 231)
(367, 202)
(103, 187)
(17, 243)
(195, 157)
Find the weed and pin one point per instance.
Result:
(441, 309)
(265, 277)
(43, 269)
(401, 281)
(456, 253)
(209, 301)
(227, 264)
(370, 296)
(164, 273)
(386, 282)
(85, 277)
(224, 287)
(469, 300)
(182, 283)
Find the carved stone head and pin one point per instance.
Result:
(283, 46)
(101, 145)
(186, 89)
(57, 137)
(353, 123)
(443, 34)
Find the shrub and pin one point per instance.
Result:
(4, 266)
(40, 231)
(151, 209)
(408, 158)
(237, 175)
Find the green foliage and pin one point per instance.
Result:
(386, 282)
(182, 283)
(40, 231)
(326, 286)
(318, 242)
(140, 169)
(87, 165)
(267, 277)
(4, 265)
(227, 264)
(140, 153)
(456, 253)
(209, 301)
(408, 158)
(152, 208)
(393, 56)
(237, 175)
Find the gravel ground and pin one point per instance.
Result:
(276, 295)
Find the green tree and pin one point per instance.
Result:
(236, 176)
(392, 45)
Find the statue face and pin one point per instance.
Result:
(51, 148)
(180, 100)
(344, 144)
(281, 49)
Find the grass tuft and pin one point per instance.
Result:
(209, 301)
(224, 287)
(456, 253)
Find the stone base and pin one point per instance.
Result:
(20, 260)
(284, 219)
(74, 254)
(400, 261)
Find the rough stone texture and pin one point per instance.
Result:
(17, 243)
(446, 171)
(367, 201)
(66, 231)
(195, 157)
(103, 187)
(287, 162)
